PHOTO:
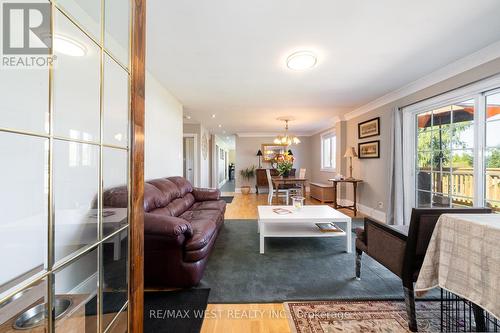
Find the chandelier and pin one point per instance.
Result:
(286, 139)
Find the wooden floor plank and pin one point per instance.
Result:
(244, 206)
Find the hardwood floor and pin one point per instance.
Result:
(244, 206)
(249, 318)
(245, 318)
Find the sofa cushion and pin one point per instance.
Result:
(219, 205)
(203, 230)
(183, 184)
(194, 215)
(153, 197)
(180, 205)
(115, 197)
(169, 190)
(197, 255)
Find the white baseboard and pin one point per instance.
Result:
(368, 211)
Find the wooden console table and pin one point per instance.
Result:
(354, 183)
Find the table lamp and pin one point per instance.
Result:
(259, 153)
(350, 152)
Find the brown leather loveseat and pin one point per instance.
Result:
(181, 224)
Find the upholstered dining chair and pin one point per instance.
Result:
(401, 249)
(282, 193)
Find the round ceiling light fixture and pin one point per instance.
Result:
(301, 60)
(68, 46)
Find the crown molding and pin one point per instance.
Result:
(482, 56)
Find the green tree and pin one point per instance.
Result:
(493, 161)
(435, 144)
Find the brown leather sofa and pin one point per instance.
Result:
(181, 224)
(402, 249)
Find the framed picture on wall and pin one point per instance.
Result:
(369, 128)
(271, 150)
(369, 149)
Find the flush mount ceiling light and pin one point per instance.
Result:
(301, 60)
(68, 46)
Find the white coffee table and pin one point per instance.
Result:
(301, 223)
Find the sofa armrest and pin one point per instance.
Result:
(167, 226)
(206, 194)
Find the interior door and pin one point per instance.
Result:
(65, 142)
(188, 150)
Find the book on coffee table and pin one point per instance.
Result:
(282, 211)
(328, 227)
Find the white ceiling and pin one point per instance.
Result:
(227, 57)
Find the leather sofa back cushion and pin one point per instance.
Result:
(183, 184)
(152, 197)
(180, 205)
(169, 190)
(115, 197)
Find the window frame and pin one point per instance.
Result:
(332, 136)
(478, 92)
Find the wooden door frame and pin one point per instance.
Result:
(136, 228)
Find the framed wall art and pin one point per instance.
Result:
(369, 128)
(369, 149)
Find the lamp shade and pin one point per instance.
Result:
(350, 152)
(259, 153)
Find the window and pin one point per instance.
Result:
(456, 161)
(328, 151)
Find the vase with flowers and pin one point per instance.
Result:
(284, 164)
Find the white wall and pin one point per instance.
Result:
(163, 132)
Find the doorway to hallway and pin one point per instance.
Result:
(189, 158)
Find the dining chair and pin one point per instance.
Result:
(285, 192)
(297, 188)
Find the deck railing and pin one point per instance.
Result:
(459, 186)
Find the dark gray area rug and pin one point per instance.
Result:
(292, 269)
(179, 311)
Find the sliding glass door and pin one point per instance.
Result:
(457, 149)
(64, 142)
(492, 152)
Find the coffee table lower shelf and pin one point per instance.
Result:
(268, 230)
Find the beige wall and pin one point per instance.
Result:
(375, 172)
(246, 151)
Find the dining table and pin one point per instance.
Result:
(280, 181)
(463, 257)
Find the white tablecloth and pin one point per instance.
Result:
(463, 257)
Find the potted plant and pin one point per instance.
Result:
(247, 174)
(284, 164)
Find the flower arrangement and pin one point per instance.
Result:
(284, 164)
